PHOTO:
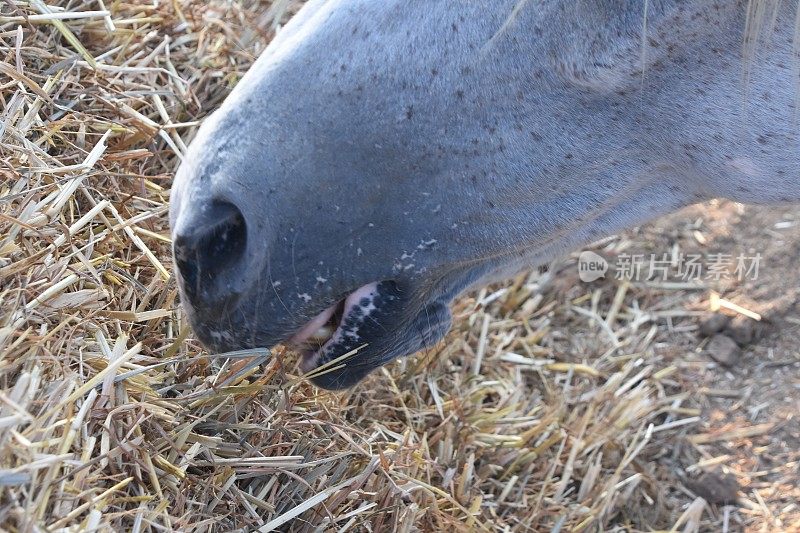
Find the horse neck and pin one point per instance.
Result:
(675, 96)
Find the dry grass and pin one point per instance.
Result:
(550, 407)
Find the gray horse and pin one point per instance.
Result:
(381, 157)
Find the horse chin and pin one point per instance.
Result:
(373, 325)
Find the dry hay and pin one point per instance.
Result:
(548, 408)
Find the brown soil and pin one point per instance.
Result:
(763, 386)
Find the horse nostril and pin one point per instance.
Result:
(209, 247)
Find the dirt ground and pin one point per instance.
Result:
(759, 385)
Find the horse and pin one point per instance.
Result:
(381, 158)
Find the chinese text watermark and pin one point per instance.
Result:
(666, 266)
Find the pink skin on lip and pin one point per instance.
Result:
(321, 319)
(354, 299)
(316, 323)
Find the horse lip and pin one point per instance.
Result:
(312, 326)
(350, 302)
